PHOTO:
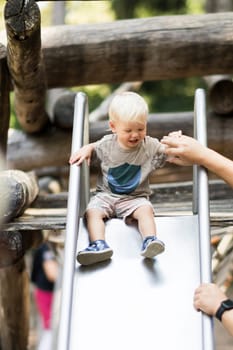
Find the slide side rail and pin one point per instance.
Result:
(201, 208)
(78, 195)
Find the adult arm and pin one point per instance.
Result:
(185, 150)
(207, 298)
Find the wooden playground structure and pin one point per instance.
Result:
(35, 59)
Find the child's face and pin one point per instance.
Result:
(129, 134)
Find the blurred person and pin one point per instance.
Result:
(44, 275)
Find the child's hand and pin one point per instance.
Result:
(83, 153)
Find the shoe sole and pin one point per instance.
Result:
(153, 249)
(89, 258)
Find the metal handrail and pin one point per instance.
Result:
(201, 207)
(78, 192)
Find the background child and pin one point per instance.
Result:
(127, 157)
(44, 275)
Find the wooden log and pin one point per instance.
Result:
(49, 211)
(164, 192)
(63, 110)
(14, 301)
(218, 6)
(101, 112)
(18, 190)
(52, 148)
(14, 287)
(14, 244)
(223, 248)
(64, 106)
(220, 93)
(25, 63)
(154, 48)
(4, 100)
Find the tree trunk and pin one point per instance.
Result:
(25, 63)
(146, 49)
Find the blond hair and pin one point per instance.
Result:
(128, 106)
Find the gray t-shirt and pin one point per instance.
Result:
(125, 172)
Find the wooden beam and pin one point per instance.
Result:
(163, 47)
(63, 109)
(22, 20)
(18, 191)
(220, 93)
(52, 148)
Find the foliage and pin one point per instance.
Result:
(14, 124)
(136, 8)
(171, 95)
(96, 94)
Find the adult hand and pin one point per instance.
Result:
(208, 297)
(183, 150)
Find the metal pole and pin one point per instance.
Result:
(202, 203)
(72, 226)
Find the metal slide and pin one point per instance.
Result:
(130, 302)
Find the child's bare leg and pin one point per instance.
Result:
(151, 246)
(146, 222)
(95, 224)
(98, 250)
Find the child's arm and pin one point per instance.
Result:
(83, 153)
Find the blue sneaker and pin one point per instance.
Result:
(97, 251)
(151, 247)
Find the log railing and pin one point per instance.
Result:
(144, 49)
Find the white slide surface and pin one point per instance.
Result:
(134, 303)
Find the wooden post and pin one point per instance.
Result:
(18, 190)
(25, 63)
(4, 100)
(14, 287)
(220, 93)
(14, 301)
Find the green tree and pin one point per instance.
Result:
(138, 8)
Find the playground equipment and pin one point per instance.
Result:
(128, 302)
